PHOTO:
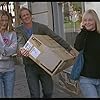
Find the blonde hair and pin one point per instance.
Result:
(3, 13)
(22, 9)
(95, 17)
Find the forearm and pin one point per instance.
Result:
(60, 40)
(57, 38)
(2, 51)
(79, 42)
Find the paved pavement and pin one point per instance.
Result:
(21, 88)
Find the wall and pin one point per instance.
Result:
(50, 14)
(42, 13)
(93, 5)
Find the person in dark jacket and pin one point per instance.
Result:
(89, 39)
(34, 73)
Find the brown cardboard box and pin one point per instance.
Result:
(48, 54)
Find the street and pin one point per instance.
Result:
(21, 88)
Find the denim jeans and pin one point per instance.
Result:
(35, 75)
(90, 87)
(7, 80)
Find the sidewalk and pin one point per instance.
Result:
(21, 88)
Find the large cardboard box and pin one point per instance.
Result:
(48, 54)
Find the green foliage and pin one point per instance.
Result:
(77, 6)
(70, 24)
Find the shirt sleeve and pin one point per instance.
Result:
(79, 41)
(11, 49)
(45, 30)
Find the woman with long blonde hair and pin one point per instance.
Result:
(8, 46)
(89, 39)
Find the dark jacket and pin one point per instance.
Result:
(91, 52)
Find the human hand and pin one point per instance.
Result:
(82, 26)
(72, 52)
(6, 41)
(24, 52)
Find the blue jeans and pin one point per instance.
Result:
(7, 80)
(35, 75)
(90, 87)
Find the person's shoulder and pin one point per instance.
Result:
(82, 31)
(82, 34)
(34, 22)
(11, 33)
(39, 24)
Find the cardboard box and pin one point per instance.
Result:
(48, 54)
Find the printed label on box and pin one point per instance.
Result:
(35, 52)
(28, 45)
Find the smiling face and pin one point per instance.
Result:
(4, 22)
(89, 22)
(26, 17)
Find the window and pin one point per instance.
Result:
(72, 16)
